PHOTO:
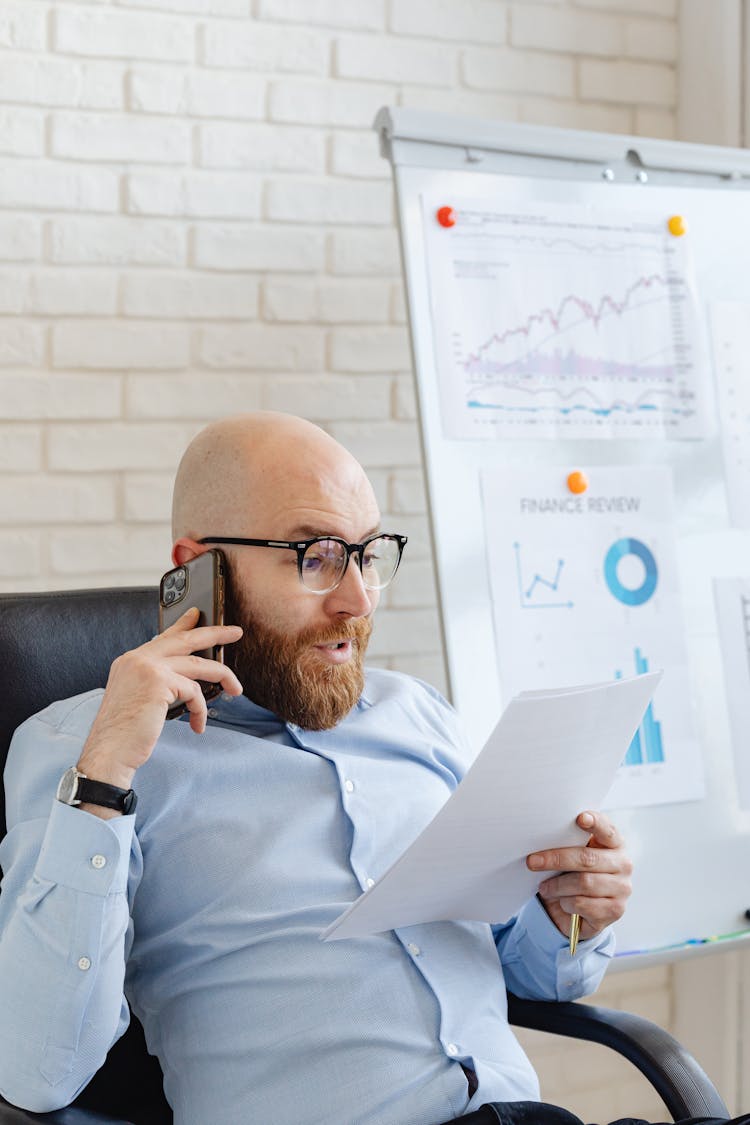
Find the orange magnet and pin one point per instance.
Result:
(676, 226)
(578, 482)
(446, 216)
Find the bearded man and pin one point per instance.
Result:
(259, 819)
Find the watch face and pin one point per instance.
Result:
(68, 787)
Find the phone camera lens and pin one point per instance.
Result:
(169, 582)
(169, 597)
(179, 579)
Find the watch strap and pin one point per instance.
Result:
(109, 796)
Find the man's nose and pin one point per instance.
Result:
(351, 596)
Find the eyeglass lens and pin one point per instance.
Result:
(324, 563)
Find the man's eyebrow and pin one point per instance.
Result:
(309, 531)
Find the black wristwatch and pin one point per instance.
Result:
(77, 789)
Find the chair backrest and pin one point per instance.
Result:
(53, 646)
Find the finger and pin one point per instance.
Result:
(192, 639)
(189, 692)
(603, 832)
(597, 912)
(571, 859)
(212, 671)
(586, 885)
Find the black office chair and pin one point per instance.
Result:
(56, 645)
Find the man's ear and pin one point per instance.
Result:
(186, 549)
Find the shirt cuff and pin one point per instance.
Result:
(84, 852)
(546, 936)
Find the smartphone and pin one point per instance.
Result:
(199, 582)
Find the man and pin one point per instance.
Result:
(258, 820)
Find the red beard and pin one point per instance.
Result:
(286, 676)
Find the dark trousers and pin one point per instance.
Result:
(540, 1113)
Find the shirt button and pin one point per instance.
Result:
(349, 786)
(212, 712)
(84, 964)
(414, 949)
(452, 1049)
(98, 861)
(369, 883)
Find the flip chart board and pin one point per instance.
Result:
(578, 306)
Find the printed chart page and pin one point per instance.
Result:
(733, 612)
(584, 587)
(730, 332)
(563, 321)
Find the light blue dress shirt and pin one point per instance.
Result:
(206, 908)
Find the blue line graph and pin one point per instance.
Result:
(646, 746)
(600, 412)
(527, 590)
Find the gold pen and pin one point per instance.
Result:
(575, 929)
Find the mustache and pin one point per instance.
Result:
(357, 631)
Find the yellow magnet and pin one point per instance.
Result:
(676, 226)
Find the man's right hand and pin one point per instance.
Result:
(142, 684)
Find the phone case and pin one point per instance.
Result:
(199, 582)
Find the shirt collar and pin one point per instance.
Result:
(240, 711)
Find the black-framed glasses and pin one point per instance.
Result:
(322, 560)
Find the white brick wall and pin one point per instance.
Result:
(118, 241)
(262, 148)
(79, 30)
(195, 219)
(258, 249)
(57, 396)
(263, 47)
(474, 21)
(22, 26)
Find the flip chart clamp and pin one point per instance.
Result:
(410, 136)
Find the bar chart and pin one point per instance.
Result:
(646, 745)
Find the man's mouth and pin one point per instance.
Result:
(338, 652)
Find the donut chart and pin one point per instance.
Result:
(620, 550)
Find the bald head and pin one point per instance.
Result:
(256, 474)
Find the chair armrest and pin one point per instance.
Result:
(71, 1115)
(680, 1082)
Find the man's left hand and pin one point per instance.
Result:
(595, 879)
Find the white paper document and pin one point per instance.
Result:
(552, 755)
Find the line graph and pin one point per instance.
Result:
(555, 322)
(527, 590)
(607, 305)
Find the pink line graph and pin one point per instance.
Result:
(569, 365)
(607, 305)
